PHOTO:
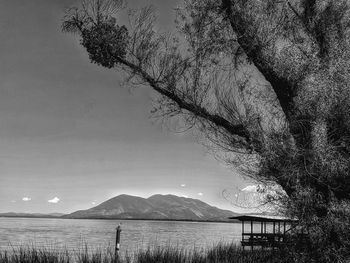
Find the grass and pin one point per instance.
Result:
(221, 253)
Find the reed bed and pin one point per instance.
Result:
(220, 253)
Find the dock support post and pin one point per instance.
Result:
(279, 232)
(274, 235)
(117, 244)
(251, 234)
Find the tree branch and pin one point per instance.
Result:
(284, 90)
(238, 129)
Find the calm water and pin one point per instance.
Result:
(74, 234)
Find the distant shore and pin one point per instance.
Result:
(124, 219)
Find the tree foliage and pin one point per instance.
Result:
(265, 82)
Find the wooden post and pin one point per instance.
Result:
(242, 230)
(117, 243)
(279, 232)
(262, 236)
(274, 235)
(251, 234)
(243, 234)
(279, 227)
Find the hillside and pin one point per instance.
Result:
(166, 207)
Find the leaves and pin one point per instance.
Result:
(106, 43)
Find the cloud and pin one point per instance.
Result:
(54, 200)
(200, 194)
(93, 203)
(183, 185)
(250, 188)
(26, 199)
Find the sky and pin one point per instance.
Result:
(71, 136)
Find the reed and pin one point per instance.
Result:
(220, 253)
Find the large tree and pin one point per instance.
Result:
(265, 82)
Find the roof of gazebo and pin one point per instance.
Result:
(264, 218)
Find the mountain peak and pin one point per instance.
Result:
(164, 196)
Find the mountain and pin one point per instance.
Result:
(162, 207)
(31, 215)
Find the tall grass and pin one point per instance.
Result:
(221, 253)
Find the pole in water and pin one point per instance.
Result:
(117, 243)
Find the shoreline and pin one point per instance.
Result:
(124, 219)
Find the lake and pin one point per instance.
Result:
(73, 234)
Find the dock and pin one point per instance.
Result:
(263, 231)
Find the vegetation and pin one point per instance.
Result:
(266, 84)
(220, 253)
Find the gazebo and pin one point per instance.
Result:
(265, 231)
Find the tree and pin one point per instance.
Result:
(265, 82)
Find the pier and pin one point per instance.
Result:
(265, 231)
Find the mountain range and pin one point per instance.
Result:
(32, 215)
(156, 207)
(160, 207)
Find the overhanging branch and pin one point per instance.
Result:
(233, 129)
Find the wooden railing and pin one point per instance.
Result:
(270, 239)
(263, 239)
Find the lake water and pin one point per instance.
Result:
(73, 234)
